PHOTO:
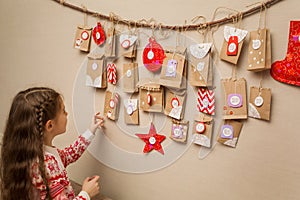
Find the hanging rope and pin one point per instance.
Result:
(143, 23)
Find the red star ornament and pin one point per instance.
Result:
(152, 140)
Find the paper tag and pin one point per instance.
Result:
(200, 66)
(84, 35)
(94, 66)
(200, 127)
(235, 100)
(259, 101)
(227, 131)
(256, 44)
(232, 47)
(177, 131)
(171, 68)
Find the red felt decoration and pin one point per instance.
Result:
(206, 101)
(288, 70)
(153, 55)
(112, 73)
(152, 140)
(98, 34)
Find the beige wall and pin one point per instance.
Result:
(36, 49)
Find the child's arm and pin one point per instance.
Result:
(74, 151)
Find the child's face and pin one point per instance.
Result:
(60, 121)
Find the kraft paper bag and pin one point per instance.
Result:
(259, 50)
(174, 104)
(179, 131)
(173, 72)
(231, 50)
(229, 132)
(131, 111)
(111, 105)
(96, 72)
(151, 96)
(235, 98)
(128, 45)
(260, 103)
(83, 38)
(203, 130)
(110, 45)
(130, 77)
(200, 68)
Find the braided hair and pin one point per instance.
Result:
(23, 141)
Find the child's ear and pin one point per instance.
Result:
(49, 125)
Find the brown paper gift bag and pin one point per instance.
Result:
(130, 77)
(260, 103)
(111, 105)
(173, 72)
(174, 104)
(259, 50)
(110, 45)
(128, 45)
(203, 130)
(131, 111)
(83, 38)
(179, 131)
(151, 96)
(200, 69)
(96, 72)
(235, 98)
(229, 132)
(228, 33)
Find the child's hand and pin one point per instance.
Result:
(97, 122)
(91, 186)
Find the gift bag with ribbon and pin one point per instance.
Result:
(259, 51)
(203, 130)
(173, 72)
(83, 38)
(151, 95)
(260, 103)
(235, 99)
(83, 35)
(110, 45)
(128, 45)
(111, 105)
(96, 72)
(179, 131)
(174, 104)
(131, 111)
(229, 132)
(201, 71)
(130, 77)
(233, 43)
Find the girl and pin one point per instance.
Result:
(31, 167)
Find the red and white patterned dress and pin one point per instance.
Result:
(56, 161)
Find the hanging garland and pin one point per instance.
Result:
(144, 24)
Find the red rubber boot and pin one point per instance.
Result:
(288, 70)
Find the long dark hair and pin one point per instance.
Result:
(23, 141)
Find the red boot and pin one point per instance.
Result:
(288, 70)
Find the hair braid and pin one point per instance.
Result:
(23, 141)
